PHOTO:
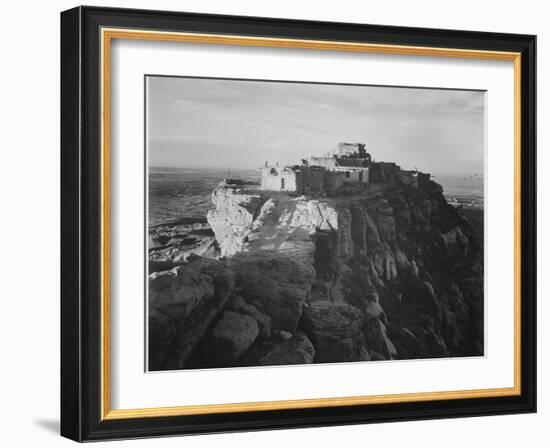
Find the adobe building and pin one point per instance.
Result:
(316, 174)
(409, 177)
(350, 164)
(280, 179)
(347, 155)
(385, 173)
(423, 178)
(300, 179)
(353, 154)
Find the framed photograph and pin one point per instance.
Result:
(272, 223)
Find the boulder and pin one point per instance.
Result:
(238, 304)
(312, 215)
(297, 350)
(190, 295)
(231, 336)
(233, 217)
(275, 283)
(335, 330)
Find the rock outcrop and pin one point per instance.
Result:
(232, 218)
(171, 244)
(232, 335)
(276, 284)
(392, 273)
(296, 350)
(336, 333)
(183, 302)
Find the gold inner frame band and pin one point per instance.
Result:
(107, 35)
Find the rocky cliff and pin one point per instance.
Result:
(394, 273)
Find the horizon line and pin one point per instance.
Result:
(216, 168)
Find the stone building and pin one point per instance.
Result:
(328, 162)
(305, 179)
(353, 154)
(409, 177)
(348, 155)
(281, 179)
(352, 150)
(320, 174)
(300, 179)
(385, 173)
(423, 178)
(325, 174)
(333, 180)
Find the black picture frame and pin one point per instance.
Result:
(81, 224)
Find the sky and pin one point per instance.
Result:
(201, 123)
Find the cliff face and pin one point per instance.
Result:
(391, 274)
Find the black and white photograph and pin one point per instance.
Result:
(283, 219)
(295, 223)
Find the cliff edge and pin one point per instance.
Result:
(395, 273)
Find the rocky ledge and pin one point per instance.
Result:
(391, 274)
